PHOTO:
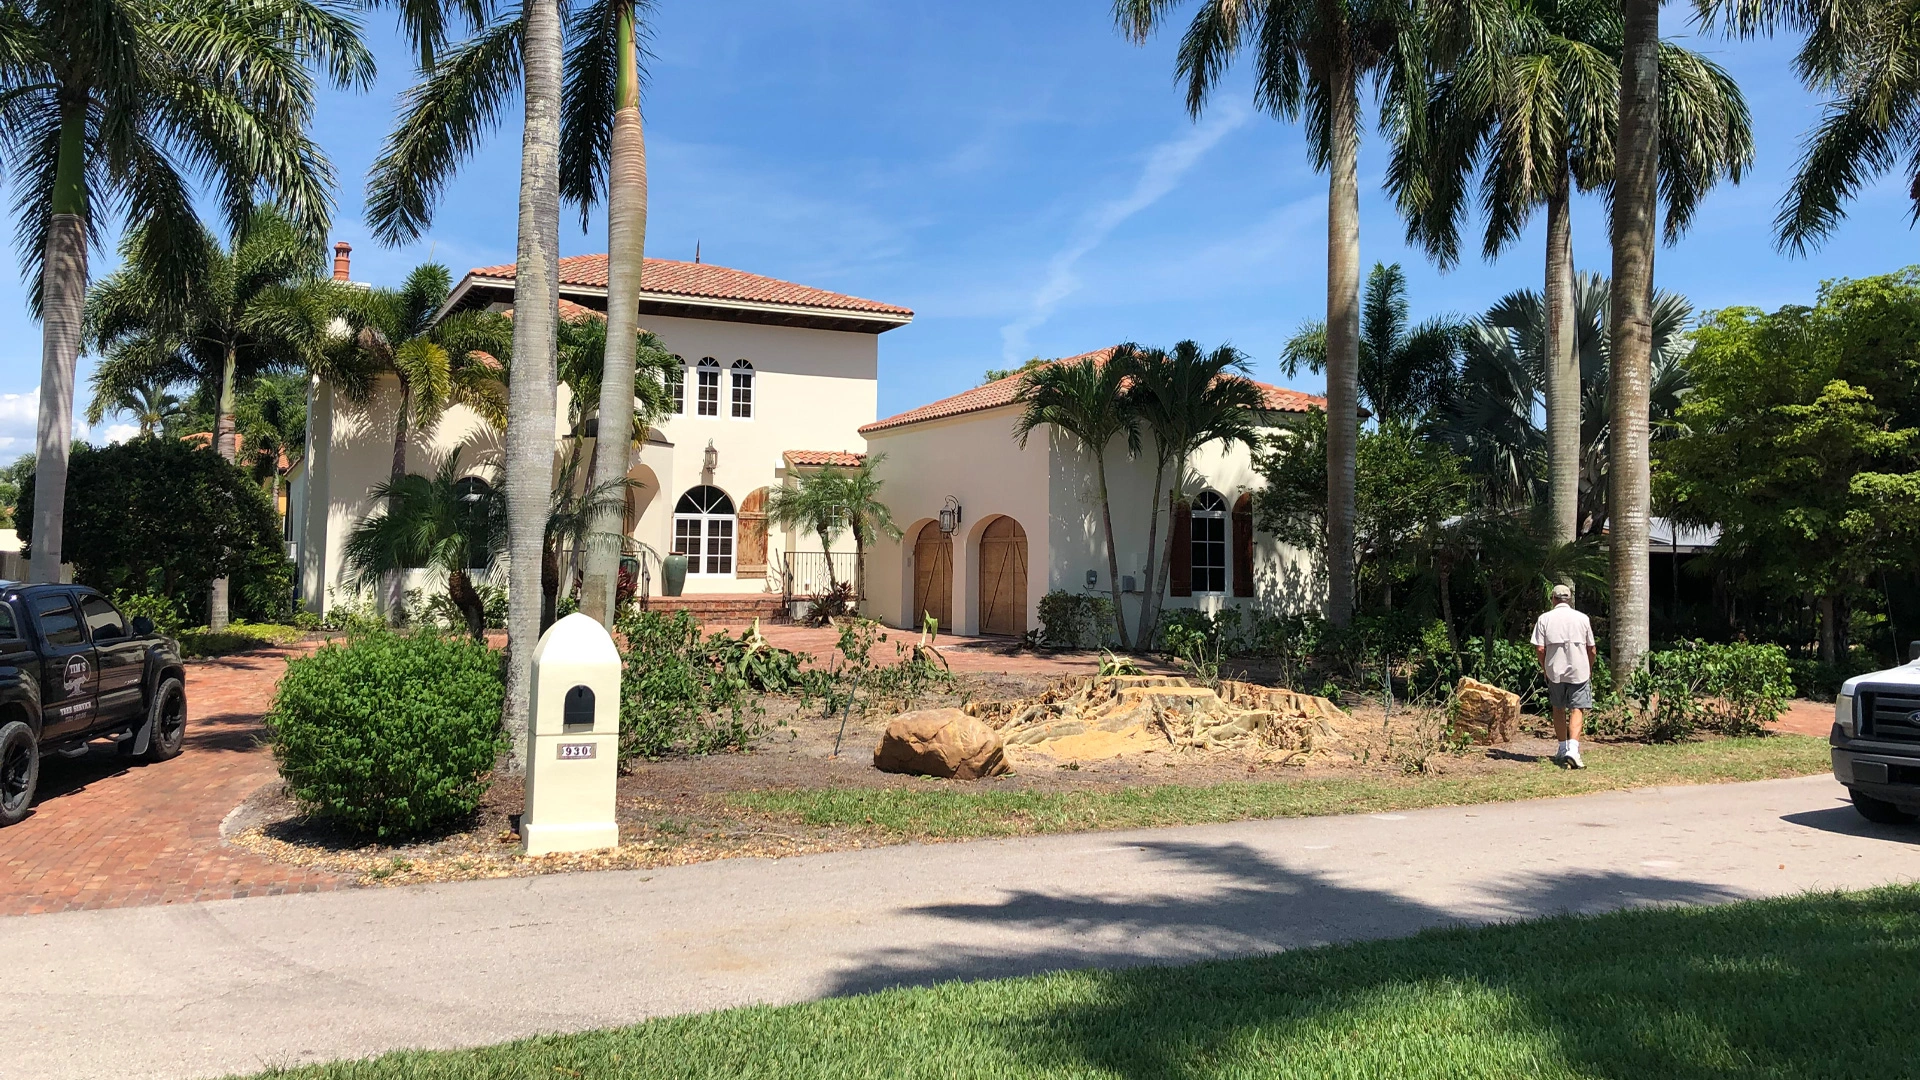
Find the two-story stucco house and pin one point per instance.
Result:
(775, 377)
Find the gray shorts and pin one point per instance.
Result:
(1570, 695)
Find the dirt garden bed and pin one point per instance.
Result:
(757, 804)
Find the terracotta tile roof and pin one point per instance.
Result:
(1006, 391)
(568, 310)
(813, 458)
(666, 277)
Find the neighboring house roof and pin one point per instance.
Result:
(701, 290)
(201, 440)
(1003, 392)
(816, 458)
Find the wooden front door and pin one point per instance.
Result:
(933, 576)
(752, 560)
(1003, 578)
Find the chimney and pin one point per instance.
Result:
(340, 252)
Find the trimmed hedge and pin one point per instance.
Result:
(389, 734)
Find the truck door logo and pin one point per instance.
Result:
(75, 675)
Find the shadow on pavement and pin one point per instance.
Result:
(1769, 989)
(1846, 821)
(1260, 906)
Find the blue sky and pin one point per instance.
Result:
(1027, 181)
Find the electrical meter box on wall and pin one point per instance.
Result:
(573, 741)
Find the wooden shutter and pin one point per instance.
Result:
(1242, 554)
(1181, 568)
(751, 560)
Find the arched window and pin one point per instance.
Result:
(476, 514)
(707, 387)
(1209, 543)
(703, 530)
(677, 386)
(742, 390)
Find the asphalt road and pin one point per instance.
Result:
(237, 985)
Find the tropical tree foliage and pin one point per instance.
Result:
(117, 110)
(252, 307)
(1085, 399)
(444, 522)
(1801, 441)
(1407, 371)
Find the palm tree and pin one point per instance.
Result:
(1085, 398)
(441, 522)
(460, 98)
(1406, 372)
(1536, 117)
(1865, 56)
(815, 501)
(151, 404)
(253, 307)
(1636, 195)
(1187, 398)
(1310, 57)
(272, 417)
(125, 105)
(1492, 420)
(625, 154)
(866, 516)
(438, 362)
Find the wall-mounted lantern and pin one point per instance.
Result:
(950, 516)
(710, 460)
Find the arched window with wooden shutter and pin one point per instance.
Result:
(752, 560)
(1180, 570)
(1243, 545)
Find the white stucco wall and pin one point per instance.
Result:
(813, 389)
(1051, 488)
(975, 459)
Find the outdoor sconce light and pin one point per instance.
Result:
(711, 458)
(950, 516)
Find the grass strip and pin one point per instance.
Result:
(943, 810)
(1809, 986)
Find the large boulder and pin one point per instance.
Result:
(1487, 714)
(940, 742)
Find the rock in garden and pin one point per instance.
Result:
(940, 742)
(1488, 715)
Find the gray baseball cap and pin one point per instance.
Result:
(1563, 594)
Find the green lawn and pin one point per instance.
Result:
(944, 810)
(1812, 986)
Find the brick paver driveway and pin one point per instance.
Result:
(108, 834)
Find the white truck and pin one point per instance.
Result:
(1876, 742)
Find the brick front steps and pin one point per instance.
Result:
(722, 608)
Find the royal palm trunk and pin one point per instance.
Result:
(63, 295)
(1562, 370)
(1630, 370)
(1343, 340)
(530, 404)
(626, 255)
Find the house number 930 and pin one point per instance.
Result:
(574, 751)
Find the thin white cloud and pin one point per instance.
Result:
(19, 416)
(116, 433)
(1166, 166)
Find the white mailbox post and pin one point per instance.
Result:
(573, 745)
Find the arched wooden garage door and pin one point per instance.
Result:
(1003, 578)
(933, 575)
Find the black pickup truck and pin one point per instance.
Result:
(73, 670)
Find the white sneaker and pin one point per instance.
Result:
(1572, 760)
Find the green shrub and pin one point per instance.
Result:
(166, 613)
(1730, 689)
(1075, 620)
(200, 642)
(1510, 665)
(389, 735)
(680, 692)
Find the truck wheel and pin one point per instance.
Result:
(19, 771)
(1879, 811)
(168, 715)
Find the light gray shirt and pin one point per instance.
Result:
(1566, 635)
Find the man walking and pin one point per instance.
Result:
(1563, 640)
